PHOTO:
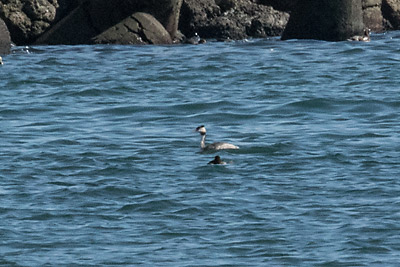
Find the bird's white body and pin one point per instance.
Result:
(213, 146)
(362, 38)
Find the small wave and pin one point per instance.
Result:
(335, 157)
(267, 150)
(191, 211)
(62, 184)
(95, 92)
(369, 106)
(351, 51)
(154, 205)
(64, 142)
(126, 110)
(203, 106)
(322, 104)
(44, 216)
(113, 190)
(52, 61)
(373, 135)
(339, 136)
(10, 112)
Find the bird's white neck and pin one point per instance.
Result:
(203, 141)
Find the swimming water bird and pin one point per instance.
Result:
(362, 38)
(214, 146)
(1, 61)
(195, 40)
(217, 160)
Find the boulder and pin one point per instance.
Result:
(283, 5)
(271, 25)
(391, 11)
(167, 12)
(5, 39)
(372, 15)
(76, 28)
(105, 14)
(325, 20)
(27, 20)
(231, 19)
(88, 21)
(196, 17)
(140, 28)
(78, 21)
(153, 32)
(117, 22)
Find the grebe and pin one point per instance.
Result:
(364, 38)
(1, 61)
(217, 160)
(195, 40)
(214, 146)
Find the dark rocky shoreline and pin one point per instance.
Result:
(162, 21)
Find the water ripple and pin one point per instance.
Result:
(102, 166)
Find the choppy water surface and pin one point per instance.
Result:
(100, 164)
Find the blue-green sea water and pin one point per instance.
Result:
(100, 164)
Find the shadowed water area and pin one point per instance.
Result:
(100, 163)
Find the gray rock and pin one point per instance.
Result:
(140, 28)
(283, 5)
(372, 15)
(79, 21)
(103, 21)
(121, 33)
(325, 20)
(76, 28)
(62, 23)
(27, 19)
(105, 13)
(391, 11)
(5, 39)
(167, 12)
(229, 19)
(40, 10)
(271, 25)
(153, 31)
